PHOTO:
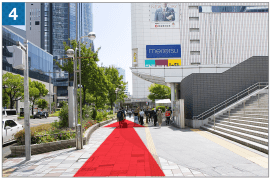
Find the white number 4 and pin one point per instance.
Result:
(14, 14)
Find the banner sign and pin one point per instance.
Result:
(163, 51)
(150, 63)
(164, 15)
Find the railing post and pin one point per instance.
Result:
(229, 115)
(244, 108)
(237, 96)
(258, 99)
(214, 118)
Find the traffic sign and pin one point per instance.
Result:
(13, 13)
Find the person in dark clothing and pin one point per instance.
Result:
(154, 115)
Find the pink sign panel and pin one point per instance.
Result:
(161, 62)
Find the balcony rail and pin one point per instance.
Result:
(231, 100)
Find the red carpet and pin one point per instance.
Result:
(122, 154)
(129, 124)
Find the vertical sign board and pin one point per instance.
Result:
(13, 13)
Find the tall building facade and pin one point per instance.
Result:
(51, 24)
(39, 60)
(166, 44)
(122, 72)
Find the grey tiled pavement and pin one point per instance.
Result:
(181, 153)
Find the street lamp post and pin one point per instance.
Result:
(91, 36)
(70, 53)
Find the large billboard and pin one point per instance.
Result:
(163, 51)
(164, 15)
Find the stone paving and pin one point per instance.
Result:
(68, 161)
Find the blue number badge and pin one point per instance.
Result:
(13, 13)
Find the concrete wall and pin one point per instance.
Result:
(203, 91)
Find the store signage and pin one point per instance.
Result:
(174, 62)
(150, 63)
(163, 51)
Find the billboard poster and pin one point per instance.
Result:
(163, 51)
(174, 62)
(150, 63)
(164, 15)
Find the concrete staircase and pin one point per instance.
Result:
(246, 124)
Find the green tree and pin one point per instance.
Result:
(53, 106)
(114, 81)
(158, 91)
(42, 103)
(89, 65)
(15, 87)
(36, 90)
(62, 104)
(5, 98)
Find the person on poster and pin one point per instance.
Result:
(164, 13)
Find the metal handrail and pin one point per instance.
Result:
(229, 100)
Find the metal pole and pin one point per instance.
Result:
(229, 115)
(50, 90)
(80, 73)
(26, 107)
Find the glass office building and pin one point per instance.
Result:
(84, 20)
(40, 61)
(58, 25)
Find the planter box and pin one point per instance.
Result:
(44, 147)
(58, 145)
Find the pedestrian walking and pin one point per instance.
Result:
(168, 114)
(141, 117)
(136, 113)
(159, 116)
(154, 115)
(120, 116)
(129, 113)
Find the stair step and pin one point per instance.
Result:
(242, 130)
(241, 117)
(256, 139)
(260, 124)
(251, 127)
(242, 141)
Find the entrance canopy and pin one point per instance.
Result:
(175, 74)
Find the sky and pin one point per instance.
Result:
(112, 25)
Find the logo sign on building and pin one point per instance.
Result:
(161, 62)
(163, 51)
(164, 15)
(150, 63)
(13, 13)
(174, 62)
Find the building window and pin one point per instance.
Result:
(194, 41)
(194, 30)
(194, 52)
(30, 23)
(32, 4)
(30, 28)
(193, 18)
(193, 7)
(30, 13)
(36, 22)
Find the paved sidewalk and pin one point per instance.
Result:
(180, 152)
